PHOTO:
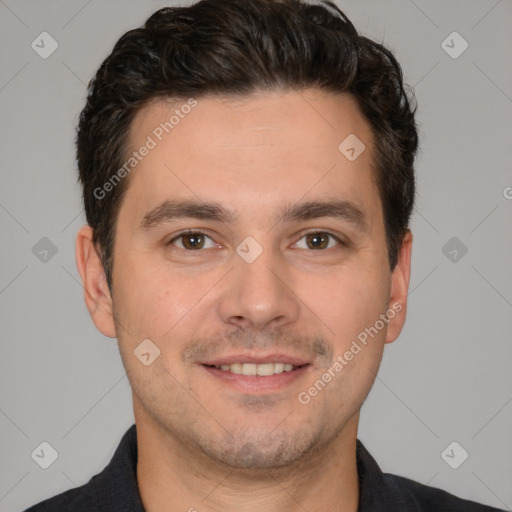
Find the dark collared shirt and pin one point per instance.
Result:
(115, 489)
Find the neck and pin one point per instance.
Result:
(174, 477)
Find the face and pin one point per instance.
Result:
(251, 252)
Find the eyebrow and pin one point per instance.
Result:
(203, 210)
(338, 209)
(171, 210)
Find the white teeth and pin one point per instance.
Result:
(278, 367)
(263, 369)
(249, 369)
(234, 368)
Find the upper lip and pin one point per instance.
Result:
(256, 359)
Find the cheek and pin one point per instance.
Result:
(152, 309)
(350, 304)
(348, 301)
(143, 293)
(166, 307)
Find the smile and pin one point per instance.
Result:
(261, 370)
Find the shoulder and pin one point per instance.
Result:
(73, 500)
(433, 499)
(114, 488)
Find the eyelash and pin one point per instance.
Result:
(314, 232)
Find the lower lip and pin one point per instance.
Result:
(253, 383)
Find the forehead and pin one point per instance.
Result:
(249, 152)
(311, 115)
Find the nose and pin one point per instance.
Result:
(259, 294)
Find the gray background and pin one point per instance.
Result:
(448, 376)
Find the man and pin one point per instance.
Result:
(247, 172)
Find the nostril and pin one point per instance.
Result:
(240, 321)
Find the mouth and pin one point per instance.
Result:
(256, 374)
(256, 369)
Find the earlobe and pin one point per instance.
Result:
(96, 293)
(399, 289)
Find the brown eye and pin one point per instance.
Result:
(318, 240)
(192, 241)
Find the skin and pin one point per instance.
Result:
(203, 444)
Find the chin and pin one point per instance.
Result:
(256, 449)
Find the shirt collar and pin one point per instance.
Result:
(115, 488)
(378, 491)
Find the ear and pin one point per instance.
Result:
(96, 293)
(399, 289)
